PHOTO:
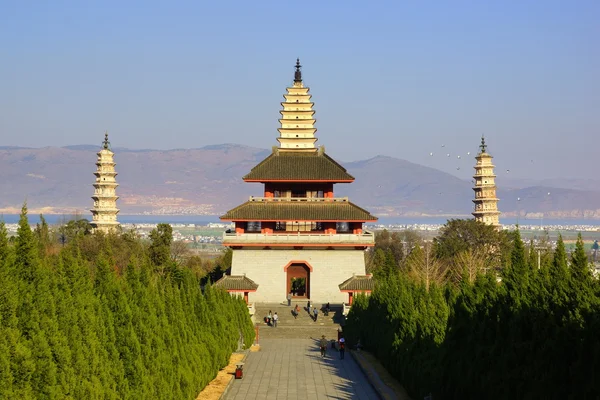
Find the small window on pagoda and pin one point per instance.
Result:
(342, 227)
(253, 226)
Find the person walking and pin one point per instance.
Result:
(323, 345)
(315, 313)
(342, 347)
(289, 299)
(275, 320)
(270, 318)
(296, 311)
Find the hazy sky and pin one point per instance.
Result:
(393, 78)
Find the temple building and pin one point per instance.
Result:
(104, 213)
(486, 202)
(298, 237)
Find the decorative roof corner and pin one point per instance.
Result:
(358, 283)
(236, 283)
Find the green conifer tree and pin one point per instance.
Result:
(26, 262)
(160, 248)
(3, 243)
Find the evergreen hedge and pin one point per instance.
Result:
(71, 328)
(533, 334)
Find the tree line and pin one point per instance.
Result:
(94, 316)
(484, 317)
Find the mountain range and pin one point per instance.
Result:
(208, 181)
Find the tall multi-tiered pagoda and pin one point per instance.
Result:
(298, 237)
(486, 202)
(104, 213)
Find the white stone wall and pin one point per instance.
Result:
(330, 268)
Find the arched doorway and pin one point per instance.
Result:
(298, 280)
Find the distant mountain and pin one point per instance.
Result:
(208, 181)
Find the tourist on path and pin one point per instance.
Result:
(342, 347)
(316, 313)
(270, 318)
(275, 319)
(295, 311)
(308, 306)
(289, 299)
(323, 345)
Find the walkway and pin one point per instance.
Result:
(293, 369)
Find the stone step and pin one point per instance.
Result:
(286, 317)
(302, 327)
(297, 332)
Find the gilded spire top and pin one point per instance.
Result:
(106, 143)
(298, 73)
(483, 146)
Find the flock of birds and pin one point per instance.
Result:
(448, 155)
(458, 157)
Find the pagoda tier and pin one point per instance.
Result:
(297, 132)
(104, 213)
(295, 166)
(298, 209)
(486, 202)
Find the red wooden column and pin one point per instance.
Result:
(239, 227)
(350, 297)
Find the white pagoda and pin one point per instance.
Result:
(486, 202)
(104, 213)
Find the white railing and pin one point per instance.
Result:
(295, 238)
(300, 199)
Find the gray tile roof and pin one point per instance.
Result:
(236, 282)
(298, 211)
(358, 283)
(294, 166)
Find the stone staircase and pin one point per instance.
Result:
(302, 327)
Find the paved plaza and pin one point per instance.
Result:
(293, 369)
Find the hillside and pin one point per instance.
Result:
(208, 181)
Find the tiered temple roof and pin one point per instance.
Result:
(298, 176)
(298, 209)
(298, 167)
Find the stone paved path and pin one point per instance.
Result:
(293, 369)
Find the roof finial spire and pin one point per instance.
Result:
(482, 146)
(298, 73)
(106, 143)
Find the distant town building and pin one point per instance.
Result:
(298, 238)
(104, 213)
(486, 202)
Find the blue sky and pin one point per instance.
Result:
(393, 78)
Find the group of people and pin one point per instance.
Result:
(272, 319)
(341, 346)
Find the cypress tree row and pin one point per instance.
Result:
(76, 323)
(523, 332)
